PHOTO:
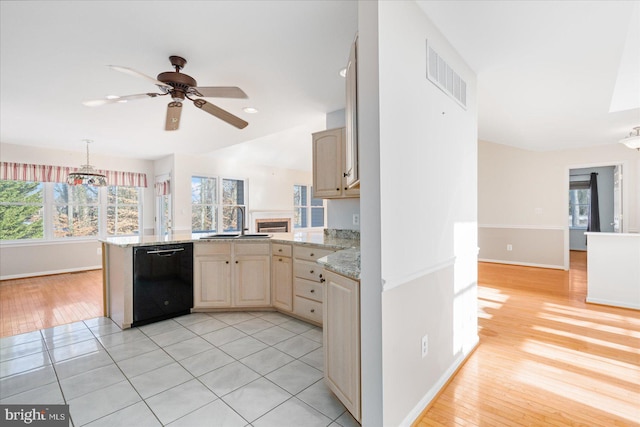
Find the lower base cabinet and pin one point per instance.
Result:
(341, 337)
(228, 275)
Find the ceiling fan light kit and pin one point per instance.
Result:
(87, 174)
(180, 86)
(633, 140)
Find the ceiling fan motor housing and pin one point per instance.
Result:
(180, 82)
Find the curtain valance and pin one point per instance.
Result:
(47, 173)
(163, 187)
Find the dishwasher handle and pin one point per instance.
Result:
(165, 252)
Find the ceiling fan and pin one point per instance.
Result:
(180, 86)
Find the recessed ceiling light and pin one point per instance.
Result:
(343, 72)
(250, 110)
(112, 97)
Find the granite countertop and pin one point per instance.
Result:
(345, 262)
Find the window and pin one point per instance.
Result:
(232, 197)
(48, 210)
(123, 210)
(203, 200)
(214, 204)
(76, 210)
(308, 211)
(21, 210)
(579, 201)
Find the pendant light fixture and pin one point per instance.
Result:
(633, 140)
(87, 174)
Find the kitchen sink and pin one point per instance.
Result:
(219, 236)
(236, 236)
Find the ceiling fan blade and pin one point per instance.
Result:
(220, 113)
(220, 92)
(135, 73)
(121, 99)
(173, 115)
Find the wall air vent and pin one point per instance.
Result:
(441, 74)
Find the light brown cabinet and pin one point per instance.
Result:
(352, 173)
(307, 286)
(282, 277)
(341, 337)
(231, 275)
(329, 167)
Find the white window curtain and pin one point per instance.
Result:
(46, 173)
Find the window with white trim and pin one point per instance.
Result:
(215, 202)
(53, 211)
(21, 210)
(308, 211)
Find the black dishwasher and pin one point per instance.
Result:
(162, 282)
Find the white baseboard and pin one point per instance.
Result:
(524, 264)
(49, 273)
(612, 303)
(433, 391)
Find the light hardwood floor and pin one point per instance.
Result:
(546, 358)
(42, 302)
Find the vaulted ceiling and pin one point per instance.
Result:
(550, 74)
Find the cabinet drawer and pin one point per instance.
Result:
(280, 249)
(200, 249)
(310, 253)
(252, 248)
(307, 308)
(308, 289)
(307, 270)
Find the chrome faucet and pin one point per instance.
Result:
(243, 213)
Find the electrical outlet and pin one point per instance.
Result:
(356, 219)
(425, 346)
(509, 247)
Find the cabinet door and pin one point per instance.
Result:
(282, 282)
(212, 281)
(351, 140)
(341, 334)
(328, 163)
(251, 278)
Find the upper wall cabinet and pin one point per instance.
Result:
(329, 178)
(351, 145)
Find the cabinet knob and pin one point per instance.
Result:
(236, 262)
(346, 174)
(313, 291)
(346, 188)
(322, 280)
(311, 271)
(226, 262)
(280, 259)
(313, 310)
(337, 189)
(280, 250)
(311, 254)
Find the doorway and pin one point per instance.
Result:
(580, 200)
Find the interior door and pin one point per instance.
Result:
(617, 199)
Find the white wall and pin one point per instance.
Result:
(427, 155)
(24, 259)
(521, 192)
